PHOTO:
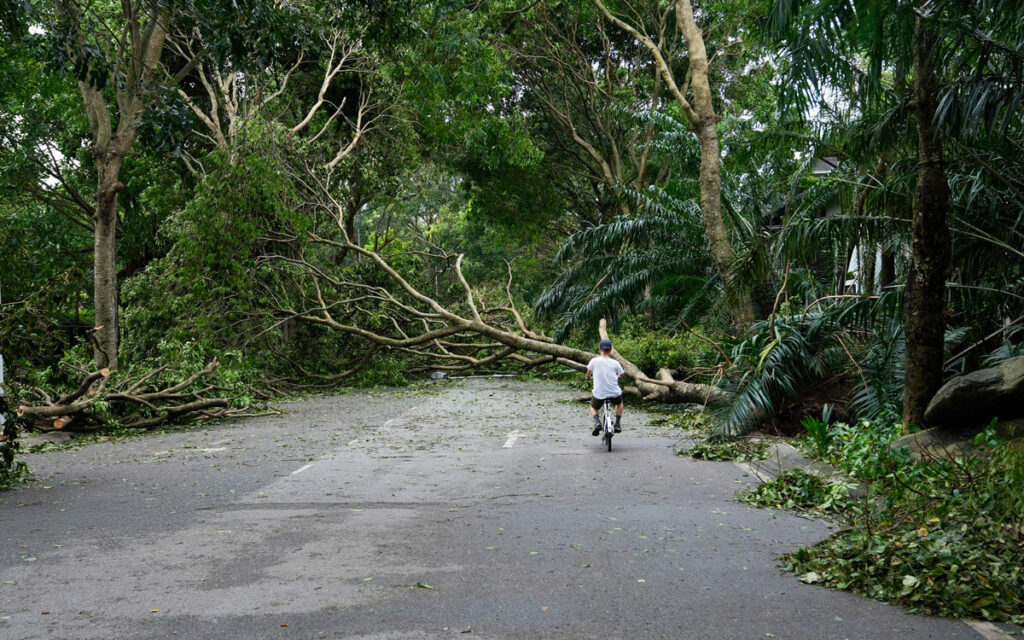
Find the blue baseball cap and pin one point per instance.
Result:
(605, 345)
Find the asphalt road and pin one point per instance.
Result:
(483, 509)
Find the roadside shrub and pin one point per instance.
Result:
(862, 449)
(948, 538)
(12, 472)
(819, 431)
(652, 350)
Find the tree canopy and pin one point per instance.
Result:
(756, 198)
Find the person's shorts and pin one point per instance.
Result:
(597, 403)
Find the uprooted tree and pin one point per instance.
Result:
(388, 312)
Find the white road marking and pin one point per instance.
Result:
(224, 441)
(511, 441)
(987, 630)
(213, 449)
(301, 469)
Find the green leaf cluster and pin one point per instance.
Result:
(209, 287)
(728, 449)
(802, 491)
(652, 350)
(948, 540)
(942, 535)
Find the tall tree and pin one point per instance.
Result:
(115, 58)
(114, 52)
(925, 295)
(699, 110)
(933, 55)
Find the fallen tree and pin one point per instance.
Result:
(399, 316)
(133, 402)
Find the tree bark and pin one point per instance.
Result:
(705, 126)
(108, 168)
(924, 297)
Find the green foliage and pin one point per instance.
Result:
(44, 273)
(867, 48)
(12, 471)
(799, 490)
(728, 449)
(781, 358)
(384, 371)
(210, 286)
(862, 449)
(947, 540)
(652, 350)
(820, 430)
(654, 260)
(942, 535)
(236, 378)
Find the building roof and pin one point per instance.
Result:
(823, 166)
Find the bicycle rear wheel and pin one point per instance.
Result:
(608, 424)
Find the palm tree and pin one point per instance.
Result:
(905, 46)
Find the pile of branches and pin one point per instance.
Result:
(133, 403)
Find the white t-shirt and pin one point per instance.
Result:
(606, 372)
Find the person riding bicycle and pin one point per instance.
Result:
(605, 371)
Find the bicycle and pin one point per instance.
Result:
(608, 423)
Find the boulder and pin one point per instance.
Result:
(937, 442)
(969, 400)
(941, 442)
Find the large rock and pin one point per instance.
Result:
(937, 442)
(979, 396)
(941, 442)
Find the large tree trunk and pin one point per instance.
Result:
(924, 297)
(740, 306)
(705, 125)
(108, 169)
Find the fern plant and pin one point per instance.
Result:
(777, 362)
